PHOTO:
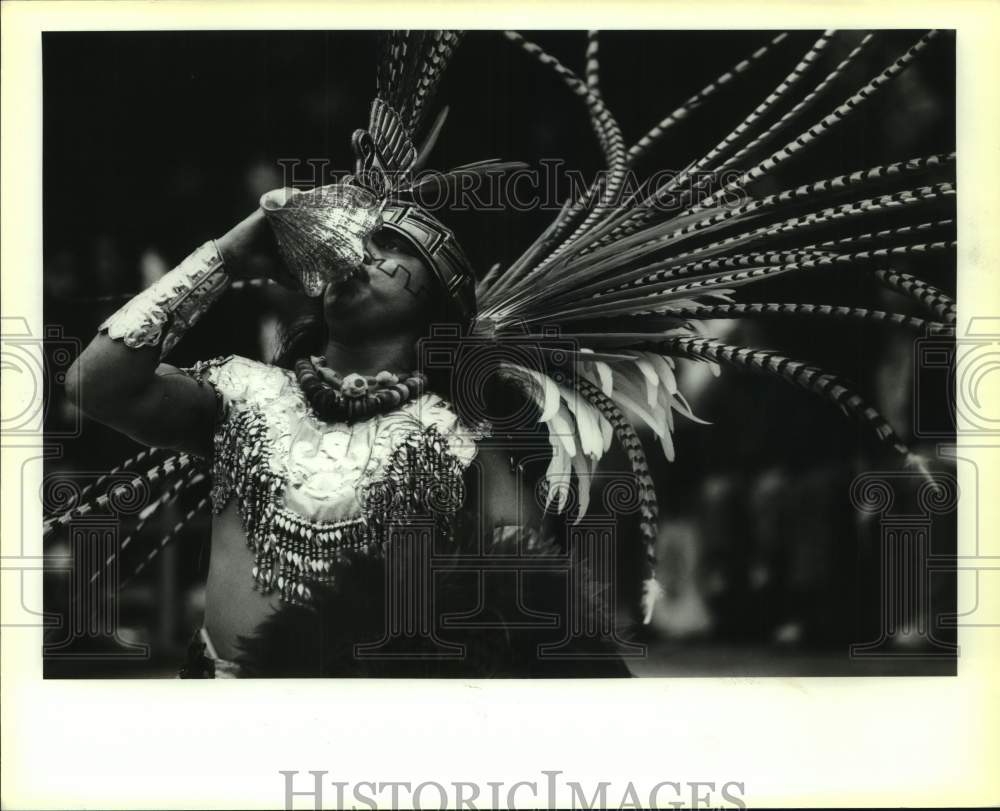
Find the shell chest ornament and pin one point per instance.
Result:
(308, 491)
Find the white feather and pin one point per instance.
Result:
(563, 426)
(652, 380)
(588, 430)
(631, 383)
(546, 394)
(667, 443)
(659, 415)
(565, 478)
(605, 376)
(666, 438)
(667, 378)
(553, 473)
(591, 445)
(668, 411)
(627, 402)
(680, 405)
(590, 372)
(558, 476)
(582, 467)
(607, 433)
(651, 592)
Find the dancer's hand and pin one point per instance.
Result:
(249, 248)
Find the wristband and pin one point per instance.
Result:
(164, 311)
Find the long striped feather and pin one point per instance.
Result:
(929, 297)
(641, 244)
(747, 124)
(803, 106)
(826, 125)
(647, 505)
(651, 138)
(804, 140)
(810, 378)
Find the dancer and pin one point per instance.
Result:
(315, 469)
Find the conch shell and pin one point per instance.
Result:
(321, 233)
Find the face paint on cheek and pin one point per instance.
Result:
(404, 278)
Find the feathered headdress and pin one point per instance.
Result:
(313, 229)
(627, 281)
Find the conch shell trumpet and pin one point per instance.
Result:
(321, 233)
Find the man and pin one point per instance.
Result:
(293, 476)
(608, 295)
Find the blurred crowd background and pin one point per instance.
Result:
(157, 141)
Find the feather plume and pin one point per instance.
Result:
(632, 282)
(810, 378)
(826, 124)
(644, 144)
(801, 107)
(929, 297)
(629, 440)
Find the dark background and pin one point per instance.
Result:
(157, 141)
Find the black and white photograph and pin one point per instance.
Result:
(482, 353)
(545, 358)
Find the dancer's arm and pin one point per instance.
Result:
(119, 380)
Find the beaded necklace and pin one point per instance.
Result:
(337, 398)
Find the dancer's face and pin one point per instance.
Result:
(393, 290)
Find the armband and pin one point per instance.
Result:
(163, 312)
